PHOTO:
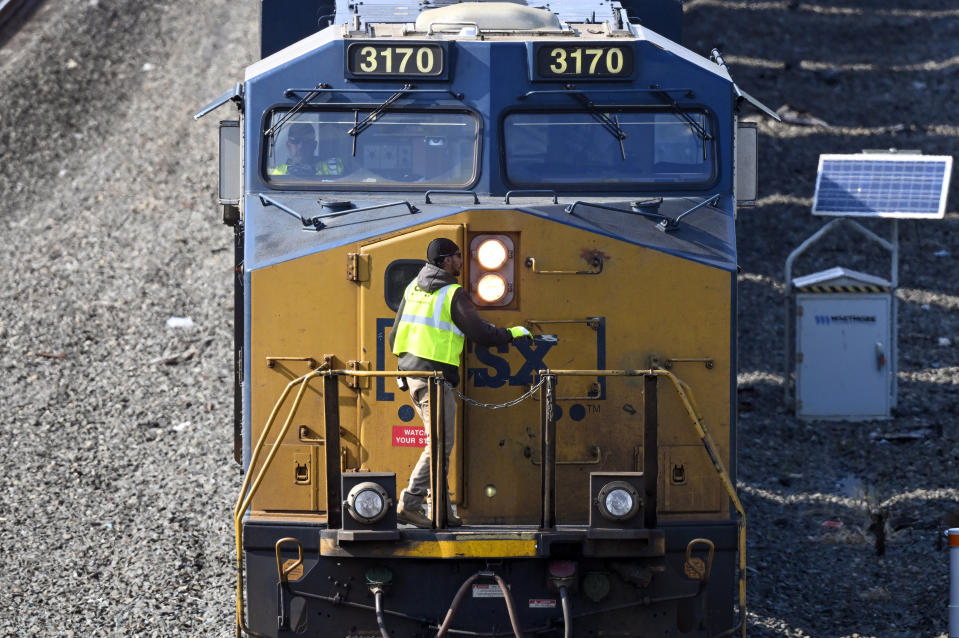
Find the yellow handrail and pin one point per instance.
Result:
(682, 389)
(689, 403)
(251, 485)
(243, 503)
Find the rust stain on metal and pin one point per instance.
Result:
(593, 255)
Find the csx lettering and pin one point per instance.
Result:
(498, 372)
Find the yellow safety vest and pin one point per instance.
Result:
(332, 166)
(426, 327)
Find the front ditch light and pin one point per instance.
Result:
(367, 503)
(618, 501)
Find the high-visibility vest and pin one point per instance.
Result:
(332, 166)
(426, 327)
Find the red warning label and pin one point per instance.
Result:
(409, 436)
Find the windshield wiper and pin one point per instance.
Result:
(368, 121)
(316, 222)
(693, 124)
(273, 130)
(636, 208)
(672, 224)
(611, 124)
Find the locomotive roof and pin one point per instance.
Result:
(397, 21)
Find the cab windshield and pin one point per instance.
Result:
(618, 149)
(315, 148)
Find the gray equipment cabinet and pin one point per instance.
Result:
(845, 346)
(845, 321)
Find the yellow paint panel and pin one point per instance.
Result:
(301, 308)
(651, 304)
(502, 548)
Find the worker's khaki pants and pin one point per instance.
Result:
(413, 496)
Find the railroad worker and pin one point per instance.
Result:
(302, 160)
(432, 323)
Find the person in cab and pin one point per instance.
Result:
(432, 323)
(302, 160)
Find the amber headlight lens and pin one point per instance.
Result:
(491, 288)
(491, 254)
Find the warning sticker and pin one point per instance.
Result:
(542, 603)
(487, 591)
(409, 436)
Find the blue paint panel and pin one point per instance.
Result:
(491, 78)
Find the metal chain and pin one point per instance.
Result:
(496, 406)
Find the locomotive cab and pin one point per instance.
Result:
(589, 169)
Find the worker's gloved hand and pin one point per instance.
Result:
(519, 332)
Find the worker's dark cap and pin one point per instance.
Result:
(302, 131)
(440, 248)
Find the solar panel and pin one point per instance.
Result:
(879, 185)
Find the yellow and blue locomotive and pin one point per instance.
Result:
(590, 168)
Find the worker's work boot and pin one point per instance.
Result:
(452, 520)
(412, 516)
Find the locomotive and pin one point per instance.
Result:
(590, 168)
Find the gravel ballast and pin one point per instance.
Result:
(116, 503)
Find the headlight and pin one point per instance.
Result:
(618, 501)
(367, 502)
(491, 288)
(491, 254)
(491, 273)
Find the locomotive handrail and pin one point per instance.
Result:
(476, 200)
(475, 25)
(689, 403)
(531, 193)
(597, 268)
(251, 485)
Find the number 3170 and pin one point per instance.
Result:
(580, 61)
(397, 60)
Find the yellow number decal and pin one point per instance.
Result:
(560, 65)
(577, 55)
(424, 60)
(614, 60)
(387, 53)
(596, 55)
(370, 64)
(407, 53)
